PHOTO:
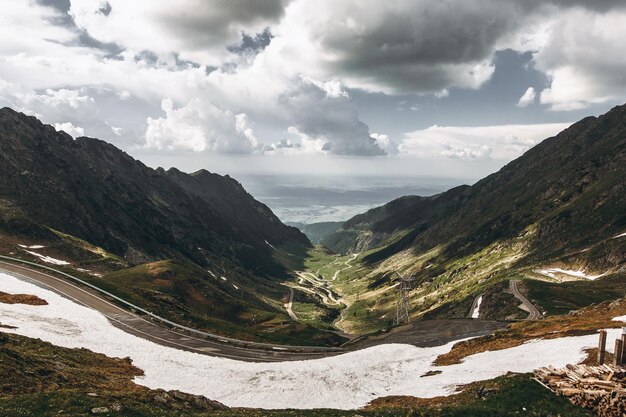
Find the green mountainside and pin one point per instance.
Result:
(317, 232)
(560, 205)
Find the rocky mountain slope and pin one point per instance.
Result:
(89, 189)
(557, 213)
(196, 248)
(568, 191)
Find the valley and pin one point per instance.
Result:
(182, 283)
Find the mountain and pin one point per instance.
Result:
(89, 189)
(561, 205)
(373, 228)
(195, 248)
(569, 188)
(317, 232)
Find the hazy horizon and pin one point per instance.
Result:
(313, 199)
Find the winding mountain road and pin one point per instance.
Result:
(289, 306)
(144, 324)
(161, 333)
(533, 312)
(347, 264)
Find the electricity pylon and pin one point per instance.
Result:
(403, 286)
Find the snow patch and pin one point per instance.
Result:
(211, 272)
(224, 278)
(618, 236)
(619, 318)
(348, 381)
(550, 272)
(31, 247)
(235, 287)
(47, 259)
(476, 311)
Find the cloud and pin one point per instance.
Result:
(196, 30)
(200, 127)
(584, 59)
(385, 143)
(504, 142)
(293, 67)
(50, 105)
(70, 129)
(429, 47)
(328, 119)
(527, 98)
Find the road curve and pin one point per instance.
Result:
(289, 306)
(533, 313)
(157, 332)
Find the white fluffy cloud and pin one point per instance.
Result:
(503, 142)
(527, 98)
(584, 57)
(200, 127)
(302, 79)
(70, 129)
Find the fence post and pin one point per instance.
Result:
(619, 352)
(623, 345)
(601, 347)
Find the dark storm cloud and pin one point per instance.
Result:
(430, 46)
(83, 38)
(212, 21)
(254, 43)
(61, 5)
(594, 5)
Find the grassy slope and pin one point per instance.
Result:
(183, 292)
(40, 379)
(561, 298)
(559, 205)
(189, 295)
(585, 321)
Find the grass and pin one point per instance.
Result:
(560, 298)
(586, 321)
(190, 295)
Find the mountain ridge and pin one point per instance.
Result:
(502, 204)
(90, 189)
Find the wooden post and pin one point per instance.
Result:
(623, 345)
(601, 347)
(619, 352)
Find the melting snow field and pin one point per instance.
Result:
(579, 274)
(47, 259)
(348, 381)
(476, 311)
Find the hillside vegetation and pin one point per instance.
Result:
(560, 205)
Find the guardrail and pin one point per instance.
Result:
(222, 339)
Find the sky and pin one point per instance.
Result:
(452, 88)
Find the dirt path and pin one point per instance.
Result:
(289, 306)
(533, 313)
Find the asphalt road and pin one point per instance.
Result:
(420, 333)
(533, 313)
(151, 330)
